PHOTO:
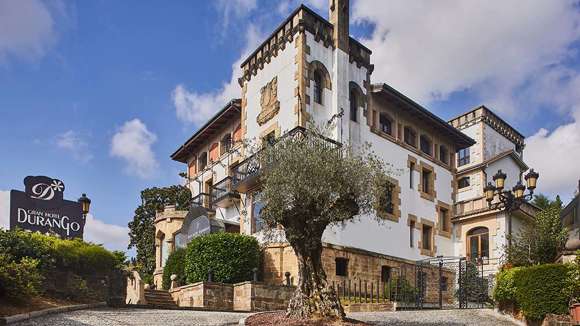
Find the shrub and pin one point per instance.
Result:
(19, 280)
(231, 257)
(504, 292)
(542, 290)
(175, 264)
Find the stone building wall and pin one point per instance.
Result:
(363, 266)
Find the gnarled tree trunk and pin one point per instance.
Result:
(313, 297)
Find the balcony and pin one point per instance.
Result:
(202, 200)
(222, 194)
(246, 173)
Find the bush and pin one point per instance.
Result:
(542, 290)
(175, 264)
(231, 257)
(504, 292)
(19, 280)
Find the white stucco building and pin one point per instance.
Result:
(310, 69)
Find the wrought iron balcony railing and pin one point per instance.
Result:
(202, 200)
(222, 193)
(246, 173)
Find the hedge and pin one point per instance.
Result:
(536, 290)
(231, 257)
(29, 257)
(505, 288)
(175, 264)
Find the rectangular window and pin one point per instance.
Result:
(443, 154)
(385, 274)
(425, 145)
(463, 157)
(411, 172)
(444, 283)
(426, 237)
(385, 124)
(426, 175)
(412, 234)
(463, 182)
(387, 203)
(444, 221)
(202, 161)
(341, 266)
(257, 211)
(410, 137)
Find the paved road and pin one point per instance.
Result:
(141, 317)
(456, 317)
(118, 317)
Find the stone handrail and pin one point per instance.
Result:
(135, 289)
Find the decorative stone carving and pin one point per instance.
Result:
(269, 101)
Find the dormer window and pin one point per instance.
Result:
(385, 124)
(425, 144)
(353, 105)
(318, 87)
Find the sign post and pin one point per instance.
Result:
(41, 207)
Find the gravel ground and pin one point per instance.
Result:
(141, 317)
(454, 317)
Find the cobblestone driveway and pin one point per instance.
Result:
(117, 317)
(476, 317)
(141, 317)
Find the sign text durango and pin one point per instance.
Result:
(42, 208)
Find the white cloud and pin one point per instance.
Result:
(4, 209)
(555, 155)
(197, 108)
(27, 29)
(230, 9)
(132, 143)
(75, 144)
(430, 49)
(111, 236)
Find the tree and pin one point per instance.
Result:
(543, 202)
(309, 183)
(142, 228)
(539, 242)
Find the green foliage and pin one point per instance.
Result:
(142, 228)
(539, 242)
(402, 290)
(231, 257)
(29, 257)
(542, 289)
(505, 287)
(19, 279)
(175, 264)
(543, 202)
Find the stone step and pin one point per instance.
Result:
(159, 298)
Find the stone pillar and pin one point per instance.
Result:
(338, 14)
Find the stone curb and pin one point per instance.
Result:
(242, 321)
(33, 314)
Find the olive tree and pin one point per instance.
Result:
(308, 184)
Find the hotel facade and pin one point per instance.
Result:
(309, 70)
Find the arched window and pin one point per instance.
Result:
(385, 124)
(353, 105)
(478, 243)
(318, 87)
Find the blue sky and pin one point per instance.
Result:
(100, 93)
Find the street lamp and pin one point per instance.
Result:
(510, 200)
(85, 204)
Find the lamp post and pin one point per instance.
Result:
(510, 200)
(85, 204)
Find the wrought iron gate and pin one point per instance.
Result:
(443, 283)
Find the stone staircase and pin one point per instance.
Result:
(159, 299)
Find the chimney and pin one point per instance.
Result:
(338, 15)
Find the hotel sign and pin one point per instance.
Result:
(41, 207)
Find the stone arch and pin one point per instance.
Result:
(317, 66)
